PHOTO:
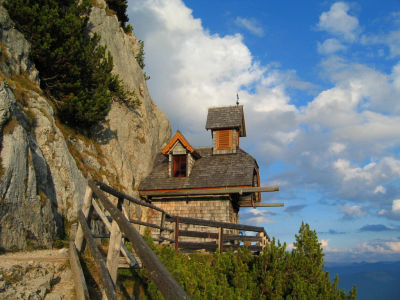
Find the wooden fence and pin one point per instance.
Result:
(222, 241)
(119, 224)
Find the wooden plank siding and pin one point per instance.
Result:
(224, 139)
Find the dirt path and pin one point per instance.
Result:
(42, 274)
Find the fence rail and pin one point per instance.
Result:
(261, 238)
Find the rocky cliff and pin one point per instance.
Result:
(43, 163)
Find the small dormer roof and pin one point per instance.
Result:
(227, 117)
(178, 137)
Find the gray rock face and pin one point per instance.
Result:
(40, 182)
(16, 48)
(28, 214)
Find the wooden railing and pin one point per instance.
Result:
(171, 234)
(119, 225)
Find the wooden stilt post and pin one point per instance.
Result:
(221, 239)
(86, 208)
(114, 247)
(177, 233)
(162, 223)
(130, 259)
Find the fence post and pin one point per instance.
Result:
(176, 233)
(114, 247)
(86, 208)
(221, 239)
(162, 223)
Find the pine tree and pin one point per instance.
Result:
(74, 69)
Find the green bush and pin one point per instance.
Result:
(75, 71)
(274, 274)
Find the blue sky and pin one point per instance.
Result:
(320, 85)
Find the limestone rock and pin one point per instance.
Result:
(16, 48)
(135, 136)
(27, 214)
(40, 183)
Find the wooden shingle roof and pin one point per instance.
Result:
(225, 118)
(209, 171)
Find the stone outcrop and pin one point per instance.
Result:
(43, 165)
(37, 275)
(27, 199)
(138, 135)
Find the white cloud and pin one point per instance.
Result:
(393, 212)
(326, 142)
(380, 189)
(394, 246)
(382, 212)
(337, 148)
(330, 46)
(390, 39)
(371, 251)
(192, 70)
(396, 206)
(325, 246)
(337, 21)
(251, 25)
(257, 216)
(351, 212)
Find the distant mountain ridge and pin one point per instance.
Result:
(380, 280)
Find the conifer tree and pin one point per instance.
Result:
(74, 69)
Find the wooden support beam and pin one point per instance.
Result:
(150, 225)
(114, 247)
(212, 246)
(213, 235)
(176, 233)
(199, 234)
(81, 289)
(156, 270)
(86, 208)
(118, 194)
(162, 239)
(201, 222)
(162, 222)
(105, 278)
(221, 239)
(242, 238)
(129, 257)
(249, 204)
(216, 191)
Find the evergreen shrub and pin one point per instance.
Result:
(273, 274)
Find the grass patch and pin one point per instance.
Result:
(43, 199)
(92, 276)
(110, 12)
(10, 126)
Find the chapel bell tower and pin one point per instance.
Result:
(227, 126)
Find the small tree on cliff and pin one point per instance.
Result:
(74, 69)
(119, 6)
